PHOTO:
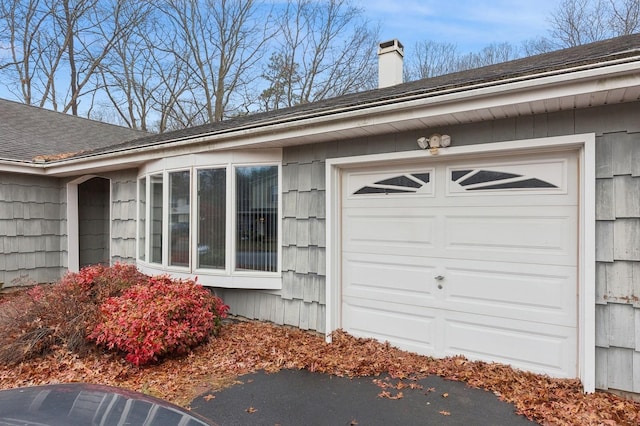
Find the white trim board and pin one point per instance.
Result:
(584, 144)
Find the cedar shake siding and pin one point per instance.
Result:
(123, 215)
(32, 229)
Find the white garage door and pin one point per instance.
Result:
(474, 257)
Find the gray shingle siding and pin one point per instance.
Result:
(123, 215)
(618, 248)
(32, 229)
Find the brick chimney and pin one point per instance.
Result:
(390, 56)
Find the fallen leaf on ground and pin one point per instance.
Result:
(388, 395)
(248, 346)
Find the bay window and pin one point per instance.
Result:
(214, 221)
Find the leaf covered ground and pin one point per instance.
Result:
(248, 346)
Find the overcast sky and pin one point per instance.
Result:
(470, 24)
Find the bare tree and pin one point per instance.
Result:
(576, 22)
(430, 59)
(434, 58)
(172, 97)
(21, 33)
(536, 46)
(92, 28)
(625, 17)
(494, 53)
(325, 48)
(224, 40)
(129, 73)
(57, 46)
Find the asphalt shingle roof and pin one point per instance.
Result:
(27, 132)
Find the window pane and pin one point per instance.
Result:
(257, 218)
(179, 218)
(156, 218)
(142, 218)
(212, 215)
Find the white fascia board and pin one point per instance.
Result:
(21, 167)
(411, 107)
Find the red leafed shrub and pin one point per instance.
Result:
(99, 282)
(157, 318)
(54, 315)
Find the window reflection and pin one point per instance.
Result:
(257, 218)
(212, 208)
(179, 218)
(156, 218)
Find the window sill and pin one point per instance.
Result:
(240, 280)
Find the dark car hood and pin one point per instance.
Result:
(89, 404)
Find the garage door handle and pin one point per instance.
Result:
(439, 277)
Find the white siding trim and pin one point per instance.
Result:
(73, 231)
(587, 265)
(333, 247)
(584, 143)
(110, 218)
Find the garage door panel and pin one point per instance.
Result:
(513, 236)
(512, 291)
(414, 200)
(491, 288)
(410, 328)
(525, 345)
(389, 231)
(377, 278)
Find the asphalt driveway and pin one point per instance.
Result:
(299, 397)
